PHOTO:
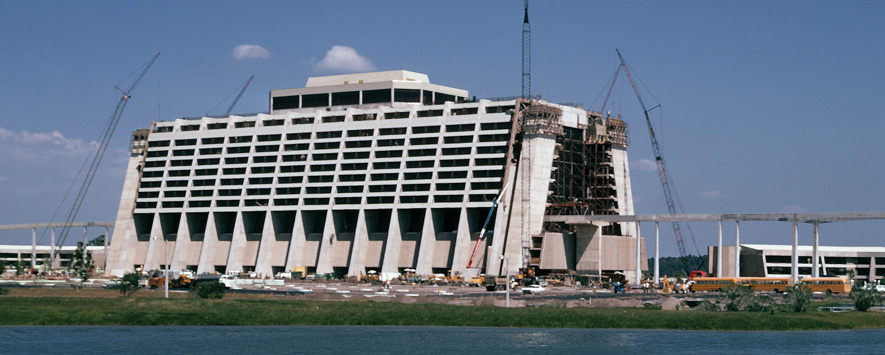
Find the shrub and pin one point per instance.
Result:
(798, 298)
(865, 298)
(736, 298)
(214, 290)
(3, 291)
(129, 284)
(21, 267)
(707, 306)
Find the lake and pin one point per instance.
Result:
(424, 340)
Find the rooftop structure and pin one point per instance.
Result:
(376, 171)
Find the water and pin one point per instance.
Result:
(424, 340)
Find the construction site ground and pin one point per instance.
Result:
(336, 290)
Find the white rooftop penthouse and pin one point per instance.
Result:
(395, 88)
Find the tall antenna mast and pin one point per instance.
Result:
(526, 55)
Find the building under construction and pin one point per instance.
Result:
(380, 172)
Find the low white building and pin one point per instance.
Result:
(764, 260)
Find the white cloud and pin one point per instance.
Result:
(344, 59)
(250, 51)
(41, 147)
(711, 194)
(645, 165)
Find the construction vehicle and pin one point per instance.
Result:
(674, 205)
(666, 286)
(476, 281)
(96, 157)
(177, 279)
(299, 272)
(697, 273)
(370, 278)
(495, 283)
(455, 278)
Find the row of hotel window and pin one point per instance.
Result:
(331, 119)
(320, 201)
(426, 175)
(426, 152)
(337, 145)
(313, 190)
(365, 133)
(386, 165)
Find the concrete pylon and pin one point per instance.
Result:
(390, 263)
(359, 247)
(268, 242)
(428, 244)
(324, 261)
(295, 257)
(178, 257)
(210, 244)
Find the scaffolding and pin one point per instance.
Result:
(583, 178)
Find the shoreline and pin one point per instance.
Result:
(98, 307)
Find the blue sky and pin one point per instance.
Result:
(765, 106)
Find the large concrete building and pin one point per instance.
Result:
(377, 171)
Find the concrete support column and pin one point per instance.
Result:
(815, 263)
(719, 270)
(34, 248)
(107, 238)
(737, 248)
(84, 237)
(52, 250)
(657, 254)
(638, 279)
(794, 259)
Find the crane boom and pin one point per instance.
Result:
(673, 205)
(482, 233)
(239, 95)
(99, 153)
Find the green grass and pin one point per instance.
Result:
(191, 311)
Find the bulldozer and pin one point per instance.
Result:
(177, 279)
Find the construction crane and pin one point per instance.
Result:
(482, 233)
(526, 54)
(226, 113)
(674, 206)
(526, 155)
(99, 153)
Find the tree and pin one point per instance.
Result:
(96, 242)
(129, 284)
(82, 265)
(2, 268)
(865, 298)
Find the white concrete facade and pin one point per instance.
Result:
(341, 189)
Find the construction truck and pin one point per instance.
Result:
(299, 272)
(476, 281)
(495, 283)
